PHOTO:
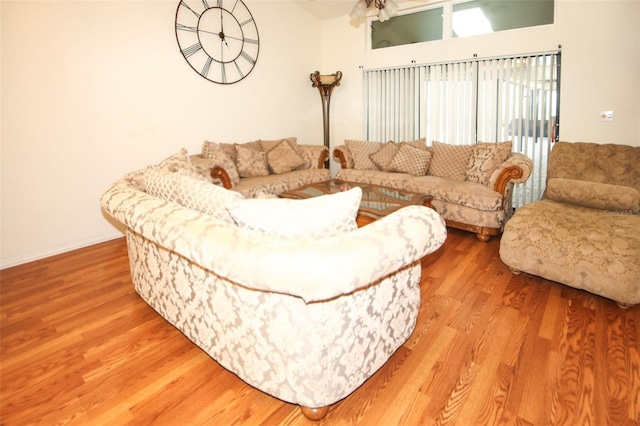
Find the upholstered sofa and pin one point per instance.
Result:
(289, 295)
(471, 185)
(585, 232)
(263, 167)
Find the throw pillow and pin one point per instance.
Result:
(293, 143)
(207, 198)
(173, 163)
(383, 157)
(449, 161)
(316, 217)
(251, 162)
(282, 158)
(217, 158)
(418, 143)
(485, 159)
(360, 151)
(411, 160)
(162, 183)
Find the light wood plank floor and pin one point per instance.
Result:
(80, 347)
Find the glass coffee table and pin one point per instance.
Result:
(377, 201)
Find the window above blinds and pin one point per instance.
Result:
(460, 19)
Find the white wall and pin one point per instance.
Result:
(600, 66)
(93, 89)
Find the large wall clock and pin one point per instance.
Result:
(218, 38)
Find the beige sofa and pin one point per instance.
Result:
(287, 294)
(263, 167)
(471, 185)
(585, 232)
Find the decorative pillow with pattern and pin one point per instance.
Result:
(206, 198)
(449, 161)
(316, 217)
(162, 183)
(411, 160)
(360, 151)
(418, 143)
(251, 162)
(383, 157)
(485, 159)
(282, 158)
(173, 163)
(217, 158)
(293, 143)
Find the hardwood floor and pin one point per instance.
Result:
(78, 346)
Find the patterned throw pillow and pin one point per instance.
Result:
(411, 160)
(251, 162)
(207, 198)
(360, 151)
(173, 163)
(282, 158)
(418, 143)
(162, 183)
(485, 159)
(316, 217)
(293, 143)
(383, 157)
(217, 158)
(450, 161)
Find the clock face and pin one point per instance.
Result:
(218, 38)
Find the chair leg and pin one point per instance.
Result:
(314, 414)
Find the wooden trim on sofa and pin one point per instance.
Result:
(511, 172)
(339, 155)
(483, 233)
(323, 159)
(218, 172)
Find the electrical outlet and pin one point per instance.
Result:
(606, 115)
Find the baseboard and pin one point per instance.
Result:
(41, 254)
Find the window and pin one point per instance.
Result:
(464, 18)
(406, 29)
(486, 16)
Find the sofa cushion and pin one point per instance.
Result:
(449, 161)
(383, 157)
(282, 158)
(593, 194)
(411, 160)
(375, 177)
(471, 194)
(315, 217)
(361, 150)
(251, 162)
(485, 159)
(215, 156)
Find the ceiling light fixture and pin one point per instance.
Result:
(384, 9)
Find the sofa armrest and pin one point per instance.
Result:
(516, 169)
(315, 155)
(349, 261)
(342, 155)
(218, 172)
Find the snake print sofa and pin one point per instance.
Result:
(305, 317)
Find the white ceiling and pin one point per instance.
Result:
(327, 9)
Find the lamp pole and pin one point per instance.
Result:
(325, 85)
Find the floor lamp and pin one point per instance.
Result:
(325, 84)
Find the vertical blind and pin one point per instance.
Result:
(465, 102)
